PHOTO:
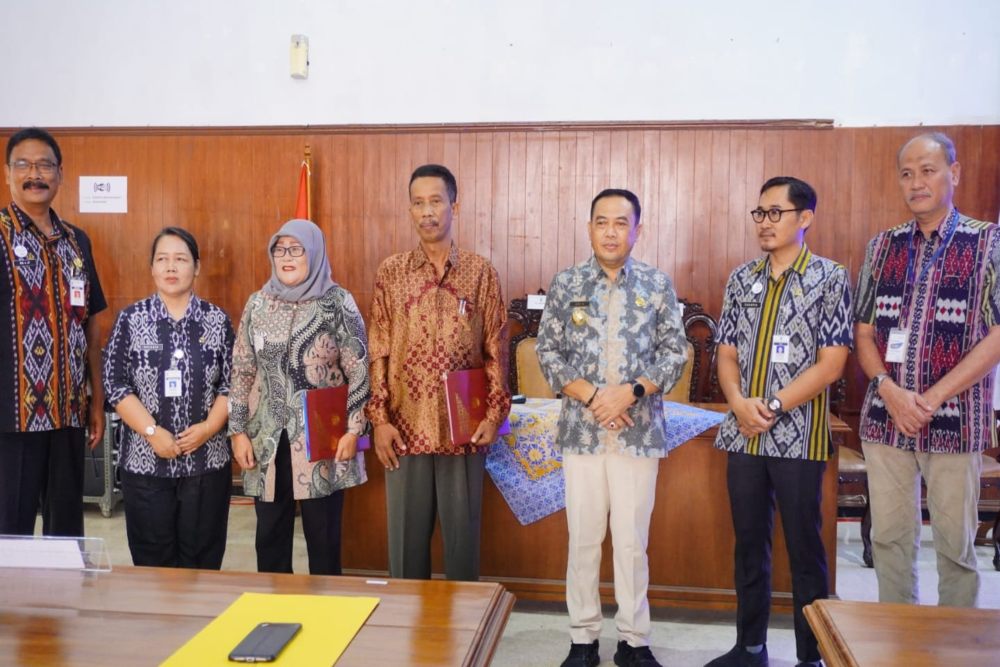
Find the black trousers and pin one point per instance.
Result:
(755, 482)
(177, 521)
(42, 469)
(321, 519)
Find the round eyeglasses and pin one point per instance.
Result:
(772, 214)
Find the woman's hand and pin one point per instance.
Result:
(163, 443)
(193, 437)
(243, 451)
(347, 447)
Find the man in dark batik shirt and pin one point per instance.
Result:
(49, 295)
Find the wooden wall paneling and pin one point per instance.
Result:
(753, 178)
(549, 221)
(397, 196)
(685, 262)
(667, 222)
(737, 222)
(706, 255)
(644, 146)
(583, 193)
(717, 213)
(536, 226)
(516, 239)
(566, 200)
(466, 175)
(483, 185)
(346, 234)
(499, 229)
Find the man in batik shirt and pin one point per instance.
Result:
(436, 308)
(927, 317)
(611, 341)
(49, 295)
(784, 336)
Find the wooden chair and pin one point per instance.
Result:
(525, 373)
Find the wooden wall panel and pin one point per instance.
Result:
(524, 198)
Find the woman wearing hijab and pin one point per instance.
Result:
(166, 373)
(301, 331)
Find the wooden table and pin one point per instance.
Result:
(872, 634)
(139, 616)
(691, 539)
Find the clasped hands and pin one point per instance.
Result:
(753, 417)
(910, 411)
(166, 446)
(611, 404)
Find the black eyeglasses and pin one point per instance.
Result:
(772, 214)
(291, 251)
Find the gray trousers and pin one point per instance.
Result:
(429, 485)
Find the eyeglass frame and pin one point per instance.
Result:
(44, 167)
(287, 250)
(770, 214)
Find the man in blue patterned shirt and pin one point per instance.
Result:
(784, 336)
(611, 341)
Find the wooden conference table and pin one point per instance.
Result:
(139, 616)
(871, 634)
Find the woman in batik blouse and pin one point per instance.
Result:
(166, 373)
(301, 331)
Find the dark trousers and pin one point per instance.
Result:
(177, 521)
(429, 485)
(42, 469)
(276, 523)
(754, 483)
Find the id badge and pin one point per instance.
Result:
(895, 351)
(780, 346)
(77, 292)
(172, 381)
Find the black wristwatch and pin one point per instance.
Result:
(638, 389)
(774, 405)
(879, 379)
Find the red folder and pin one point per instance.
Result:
(465, 395)
(325, 422)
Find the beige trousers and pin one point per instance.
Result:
(624, 487)
(952, 496)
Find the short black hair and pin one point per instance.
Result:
(437, 171)
(183, 235)
(36, 133)
(800, 193)
(618, 192)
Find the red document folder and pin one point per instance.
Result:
(465, 396)
(325, 421)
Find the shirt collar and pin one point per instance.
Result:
(917, 236)
(418, 257)
(798, 266)
(23, 221)
(159, 311)
(596, 272)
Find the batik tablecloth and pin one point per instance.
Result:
(527, 467)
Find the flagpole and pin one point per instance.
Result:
(308, 160)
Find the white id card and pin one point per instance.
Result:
(895, 351)
(77, 292)
(172, 383)
(779, 349)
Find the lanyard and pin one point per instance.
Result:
(951, 224)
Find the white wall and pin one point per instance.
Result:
(225, 62)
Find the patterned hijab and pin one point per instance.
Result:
(318, 280)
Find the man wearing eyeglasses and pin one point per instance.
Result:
(784, 336)
(49, 295)
(928, 329)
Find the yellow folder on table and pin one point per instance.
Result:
(329, 623)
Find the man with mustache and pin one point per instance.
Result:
(49, 295)
(436, 308)
(611, 342)
(784, 336)
(927, 317)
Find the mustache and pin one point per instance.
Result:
(32, 185)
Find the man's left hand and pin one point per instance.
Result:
(96, 433)
(611, 402)
(486, 434)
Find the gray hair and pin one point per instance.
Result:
(941, 139)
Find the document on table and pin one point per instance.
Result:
(329, 623)
(46, 554)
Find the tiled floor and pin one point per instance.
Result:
(536, 634)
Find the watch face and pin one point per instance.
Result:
(774, 404)
(638, 390)
(150, 430)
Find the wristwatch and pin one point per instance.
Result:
(638, 389)
(879, 379)
(150, 430)
(774, 405)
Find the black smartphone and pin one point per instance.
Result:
(264, 642)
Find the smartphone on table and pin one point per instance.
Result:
(264, 642)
